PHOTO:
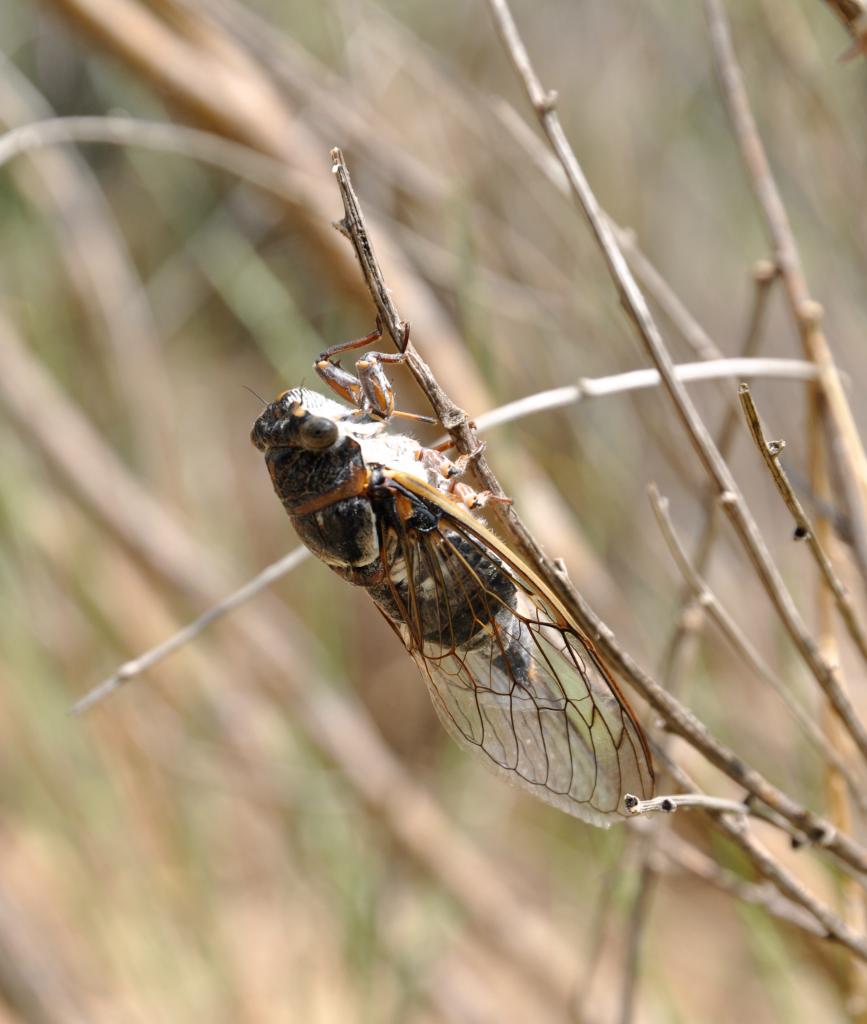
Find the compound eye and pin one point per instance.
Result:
(317, 432)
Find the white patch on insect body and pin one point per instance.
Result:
(378, 448)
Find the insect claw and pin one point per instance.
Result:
(463, 462)
(478, 499)
(489, 498)
(477, 452)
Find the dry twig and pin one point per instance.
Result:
(736, 827)
(705, 598)
(675, 801)
(678, 718)
(804, 530)
(691, 614)
(335, 724)
(846, 450)
(505, 414)
(844, 846)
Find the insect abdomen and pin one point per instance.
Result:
(448, 604)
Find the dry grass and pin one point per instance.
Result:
(271, 826)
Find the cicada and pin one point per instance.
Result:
(512, 677)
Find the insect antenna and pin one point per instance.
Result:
(255, 394)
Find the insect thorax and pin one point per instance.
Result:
(341, 532)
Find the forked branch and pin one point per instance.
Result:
(544, 104)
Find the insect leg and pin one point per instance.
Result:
(341, 381)
(369, 388)
(463, 462)
(477, 499)
(435, 461)
(375, 386)
(352, 344)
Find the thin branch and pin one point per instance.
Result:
(454, 419)
(636, 380)
(691, 616)
(791, 887)
(353, 227)
(676, 852)
(737, 828)
(136, 666)
(676, 801)
(600, 387)
(636, 308)
(846, 450)
(285, 656)
(770, 452)
(734, 635)
(303, 195)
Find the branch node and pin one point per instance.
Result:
(764, 271)
(455, 418)
(810, 313)
(548, 103)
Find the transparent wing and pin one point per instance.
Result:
(528, 696)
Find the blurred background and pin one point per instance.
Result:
(271, 825)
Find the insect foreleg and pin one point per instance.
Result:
(351, 345)
(341, 381)
(369, 389)
(375, 386)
